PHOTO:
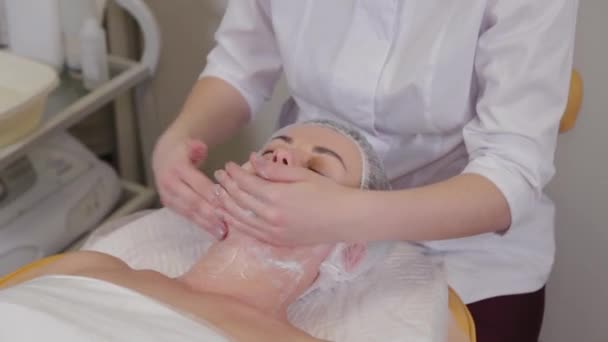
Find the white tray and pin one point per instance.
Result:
(24, 88)
(70, 103)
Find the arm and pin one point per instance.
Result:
(523, 67)
(464, 205)
(240, 75)
(213, 112)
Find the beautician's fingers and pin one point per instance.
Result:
(237, 225)
(209, 218)
(182, 199)
(197, 151)
(243, 199)
(175, 192)
(203, 217)
(217, 229)
(249, 183)
(246, 216)
(247, 221)
(199, 183)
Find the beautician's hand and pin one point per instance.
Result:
(183, 187)
(296, 207)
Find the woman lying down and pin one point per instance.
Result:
(239, 290)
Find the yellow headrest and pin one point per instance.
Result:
(573, 107)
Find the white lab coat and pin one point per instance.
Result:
(439, 87)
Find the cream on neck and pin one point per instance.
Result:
(265, 277)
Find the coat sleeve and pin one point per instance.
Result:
(522, 69)
(246, 54)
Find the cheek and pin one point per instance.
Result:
(354, 181)
(350, 180)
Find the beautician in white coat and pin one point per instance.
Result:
(462, 99)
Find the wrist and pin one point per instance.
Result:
(181, 130)
(379, 215)
(356, 216)
(168, 143)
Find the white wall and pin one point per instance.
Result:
(577, 302)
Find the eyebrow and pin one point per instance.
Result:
(285, 138)
(316, 149)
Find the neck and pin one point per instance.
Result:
(266, 278)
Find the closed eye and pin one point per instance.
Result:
(316, 171)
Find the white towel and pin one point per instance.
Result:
(159, 240)
(74, 309)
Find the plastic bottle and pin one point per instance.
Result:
(34, 30)
(73, 15)
(94, 54)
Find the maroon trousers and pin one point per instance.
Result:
(515, 318)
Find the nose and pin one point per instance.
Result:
(283, 156)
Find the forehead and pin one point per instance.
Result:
(312, 131)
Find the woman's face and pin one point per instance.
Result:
(319, 149)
